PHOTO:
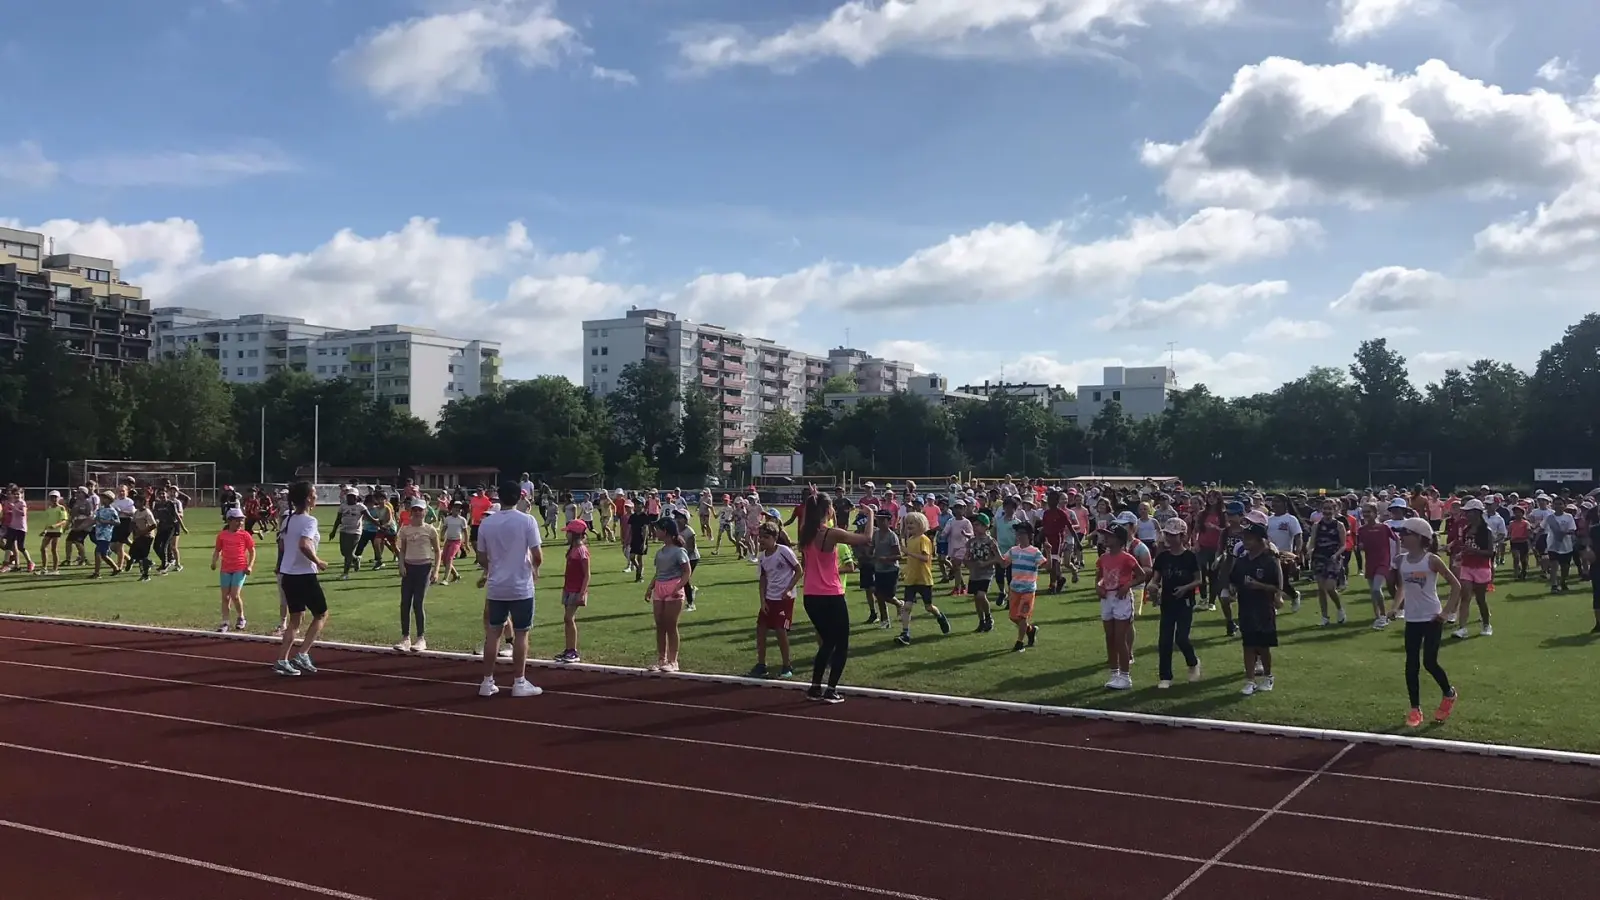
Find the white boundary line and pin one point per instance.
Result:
(1286, 731)
(1278, 809)
(658, 854)
(184, 860)
(1261, 820)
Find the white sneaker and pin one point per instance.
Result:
(1342, 618)
(505, 651)
(1460, 632)
(1294, 605)
(488, 688)
(404, 646)
(1112, 681)
(1194, 674)
(1249, 688)
(1121, 681)
(1164, 683)
(1266, 685)
(1325, 623)
(1488, 631)
(522, 687)
(1451, 620)
(419, 645)
(1380, 623)
(669, 667)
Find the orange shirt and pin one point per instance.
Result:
(235, 547)
(479, 509)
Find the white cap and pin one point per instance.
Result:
(1472, 504)
(1398, 503)
(1417, 526)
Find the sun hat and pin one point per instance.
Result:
(1175, 525)
(1398, 503)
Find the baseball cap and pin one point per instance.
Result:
(1398, 503)
(1417, 526)
(55, 494)
(234, 512)
(1256, 517)
(1234, 508)
(1473, 504)
(577, 526)
(1175, 525)
(982, 519)
(1256, 529)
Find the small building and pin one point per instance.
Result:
(1042, 394)
(931, 388)
(1141, 391)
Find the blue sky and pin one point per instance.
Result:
(1035, 186)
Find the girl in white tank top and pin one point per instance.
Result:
(1420, 569)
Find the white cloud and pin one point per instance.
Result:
(181, 169)
(26, 165)
(1565, 231)
(1358, 19)
(615, 76)
(1291, 132)
(1206, 306)
(999, 263)
(861, 31)
(428, 61)
(1557, 71)
(1291, 330)
(1395, 289)
(144, 245)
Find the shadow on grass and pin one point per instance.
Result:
(1586, 639)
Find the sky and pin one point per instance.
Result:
(1027, 189)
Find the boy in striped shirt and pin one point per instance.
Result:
(1025, 560)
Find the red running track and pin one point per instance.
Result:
(141, 765)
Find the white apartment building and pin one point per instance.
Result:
(415, 369)
(930, 388)
(747, 377)
(874, 375)
(1142, 392)
(1020, 390)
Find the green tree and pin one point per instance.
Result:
(837, 384)
(1386, 398)
(1111, 436)
(1560, 428)
(637, 474)
(643, 406)
(701, 427)
(779, 433)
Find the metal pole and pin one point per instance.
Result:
(262, 479)
(316, 446)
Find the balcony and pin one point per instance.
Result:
(734, 350)
(770, 390)
(708, 380)
(733, 367)
(731, 433)
(734, 382)
(730, 414)
(655, 338)
(709, 362)
(706, 344)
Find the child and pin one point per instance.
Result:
(983, 554)
(918, 576)
(638, 541)
(1517, 532)
(105, 526)
(16, 532)
(780, 571)
(1374, 544)
(886, 554)
(1177, 570)
(455, 530)
(1420, 570)
(1257, 581)
(665, 593)
(55, 523)
(574, 586)
(1025, 560)
(235, 549)
(418, 554)
(144, 535)
(1117, 573)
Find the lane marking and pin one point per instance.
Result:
(1255, 826)
(185, 861)
(617, 779)
(1357, 776)
(656, 854)
(876, 764)
(476, 760)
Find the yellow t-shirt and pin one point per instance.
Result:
(55, 519)
(917, 572)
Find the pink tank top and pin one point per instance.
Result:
(822, 570)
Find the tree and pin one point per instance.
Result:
(779, 432)
(838, 384)
(701, 427)
(644, 406)
(637, 474)
(1386, 397)
(1111, 436)
(547, 425)
(184, 409)
(1560, 428)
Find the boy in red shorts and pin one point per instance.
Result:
(1025, 561)
(780, 569)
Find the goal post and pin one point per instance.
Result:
(196, 478)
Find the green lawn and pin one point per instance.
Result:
(1528, 684)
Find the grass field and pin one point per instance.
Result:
(1530, 683)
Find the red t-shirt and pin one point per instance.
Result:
(1376, 545)
(576, 579)
(1518, 530)
(235, 547)
(1210, 528)
(1055, 524)
(1114, 572)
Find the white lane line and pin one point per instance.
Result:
(754, 798)
(645, 851)
(1355, 776)
(616, 779)
(876, 764)
(473, 823)
(185, 861)
(909, 729)
(1253, 827)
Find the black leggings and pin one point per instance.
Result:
(1176, 618)
(413, 587)
(164, 535)
(1208, 573)
(830, 616)
(1422, 652)
(688, 589)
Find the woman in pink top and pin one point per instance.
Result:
(824, 592)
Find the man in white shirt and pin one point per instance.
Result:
(509, 551)
(1283, 528)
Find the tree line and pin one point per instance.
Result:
(1485, 422)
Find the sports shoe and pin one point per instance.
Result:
(567, 656)
(1111, 683)
(1122, 682)
(223, 628)
(1460, 632)
(504, 652)
(419, 645)
(404, 646)
(1414, 718)
(1164, 683)
(1194, 673)
(669, 668)
(786, 672)
(522, 687)
(242, 624)
(1325, 622)
(688, 607)
(1018, 647)
(1266, 684)
(904, 639)
(302, 661)
(488, 688)
(944, 623)
(759, 670)
(831, 696)
(284, 667)
(1342, 618)
(1488, 631)
(1294, 605)
(1033, 634)
(1249, 688)
(1380, 623)
(1446, 706)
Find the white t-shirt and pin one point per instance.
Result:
(1283, 530)
(300, 525)
(507, 537)
(1559, 529)
(454, 527)
(779, 567)
(124, 506)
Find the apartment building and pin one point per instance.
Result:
(747, 377)
(82, 298)
(414, 369)
(1039, 393)
(933, 389)
(873, 374)
(1141, 391)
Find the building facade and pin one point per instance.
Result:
(930, 388)
(414, 369)
(1042, 394)
(1142, 392)
(83, 299)
(873, 374)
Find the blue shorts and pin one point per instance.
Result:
(233, 579)
(520, 612)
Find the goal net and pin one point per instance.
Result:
(196, 479)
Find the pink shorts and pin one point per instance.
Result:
(452, 551)
(1477, 573)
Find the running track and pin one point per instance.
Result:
(141, 765)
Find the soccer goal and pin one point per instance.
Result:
(197, 479)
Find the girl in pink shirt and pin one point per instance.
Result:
(235, 550)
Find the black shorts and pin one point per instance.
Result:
(1258, 639)
(303, 593)
(636, 550)
(923, 591)
(474, 534)
(518, 612)
(123, 532)
(978, 585)
(868, 576)
(884, 584)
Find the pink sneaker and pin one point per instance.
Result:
(1414, 718)
(1446, 707)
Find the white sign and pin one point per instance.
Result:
(1563, 475)
(784, 465)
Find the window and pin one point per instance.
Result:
(1097, 396)
(605, 386)
(322, 370)
(225, 335)
(239, 372)
(451, 368)
(252, 370)
(238, 354)
(343, 369)
(594, 368)
(322, 351)
(605, 332)
(1117, 396)
(254, 353)
(604, 367)
(63, 291)
(594, 351)
(604, 351)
